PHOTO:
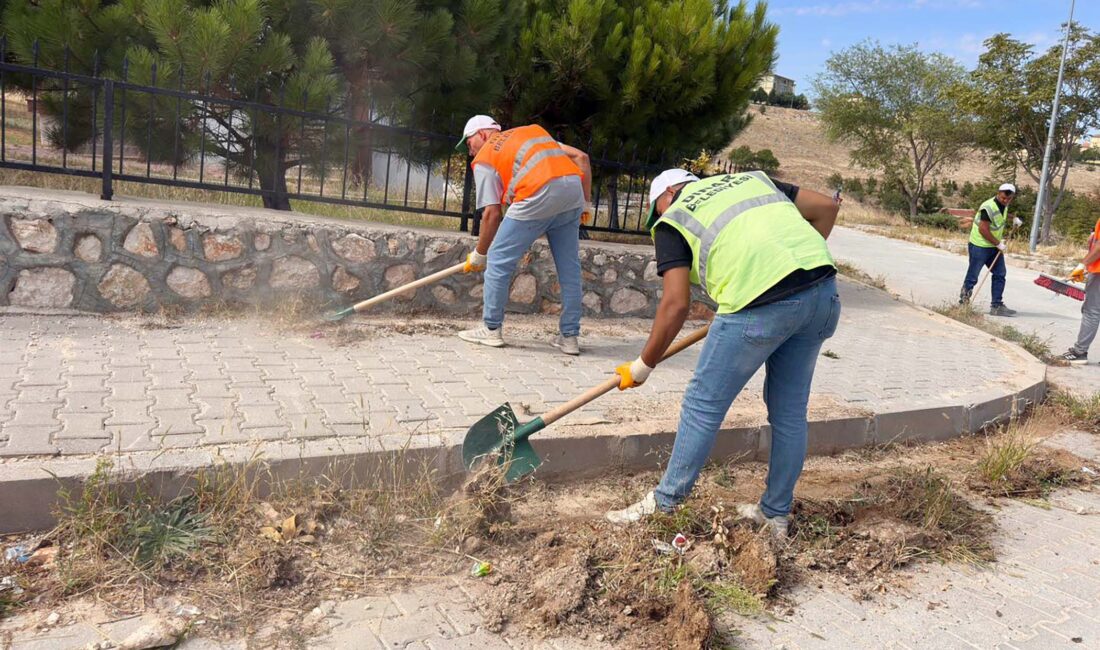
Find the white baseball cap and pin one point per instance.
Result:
(475, 124)
(1007, 187)
(665, 180)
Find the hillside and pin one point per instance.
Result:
(807, 158)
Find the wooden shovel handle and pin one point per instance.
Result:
(412, 286)
(612, 383)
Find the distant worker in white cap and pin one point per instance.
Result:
(757, 247)
(987, 247)
(528, 185)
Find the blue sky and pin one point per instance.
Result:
(810, 29)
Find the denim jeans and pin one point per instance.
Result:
(783, 336)
(512, 241)
(981, 256)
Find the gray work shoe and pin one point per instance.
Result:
(483, 335)
(1001, 310)
(635, 513)
(964, 296)
(567, 344)
(777, 526)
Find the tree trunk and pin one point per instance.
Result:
(359, 109)
(913, 201)
(272, 173)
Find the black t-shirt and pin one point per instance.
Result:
(673, 251)
(988, 217)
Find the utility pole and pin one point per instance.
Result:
(1040, 200)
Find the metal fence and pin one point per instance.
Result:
(113, 130)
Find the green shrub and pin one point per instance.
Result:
(937, 220)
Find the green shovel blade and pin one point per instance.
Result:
(339, 315)
(495, 435)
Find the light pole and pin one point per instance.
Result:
(1041, 198)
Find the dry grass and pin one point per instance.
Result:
(1030, 341)
(854, 272)
(808, 158)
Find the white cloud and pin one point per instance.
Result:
(826, 43)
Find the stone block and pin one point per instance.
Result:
(217, 247)
(34, 235)
(262, 241)
(123, 287)
(189, 283)
(140, 241)
(43, 287)
(445, 295)
(355, 248)
(343, 281)
(437, 248)
(524, 289)
(294, 273)
(88, 248)
(242, 279)
(828, 437)
(399, 275)
(592, 301)
(626, 301)
(177, 238)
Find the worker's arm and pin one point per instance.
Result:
(490, 222)
(983, 228)
(820, 210)
(580, 159)
(1093, 256)
(671, 314)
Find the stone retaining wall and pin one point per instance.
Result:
(69, 249)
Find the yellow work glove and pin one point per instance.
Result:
(475, 262)
(633, 374)
(1078, 274)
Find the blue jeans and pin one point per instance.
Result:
(981, 256)
(512, 241)
(783, 336)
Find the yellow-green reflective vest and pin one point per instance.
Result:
(745, 236)
(995, 227)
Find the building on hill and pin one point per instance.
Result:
(781, 85)
(1091, 142)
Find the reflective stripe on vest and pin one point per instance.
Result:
(996, 229)
(745, 236)
(525, 158)
(708, 235)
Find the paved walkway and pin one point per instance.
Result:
(932, 276)
(77, 384)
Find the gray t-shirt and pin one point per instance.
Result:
(557, 196)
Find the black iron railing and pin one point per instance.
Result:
(164, 134)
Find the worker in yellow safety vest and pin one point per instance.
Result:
(757, 247)
(987, 248)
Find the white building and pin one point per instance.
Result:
(782, 85)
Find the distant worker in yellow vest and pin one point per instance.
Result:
(987, 247)
(1090, 311)
(757, 247)
(528, 185)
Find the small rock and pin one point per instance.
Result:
(628, 610)
(34, 235)
(140, 241)
(524, 288)
(220, 246)
(88, 248)
(53, 618)
(156, 634)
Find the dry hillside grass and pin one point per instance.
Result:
(808, 158)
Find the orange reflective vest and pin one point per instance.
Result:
(526, 158)
(1095, 241)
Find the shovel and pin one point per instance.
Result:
(501, 435)
(393, 293)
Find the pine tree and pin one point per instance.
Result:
(665, 78)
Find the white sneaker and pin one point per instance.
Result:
(644, 508)
(567, 344)
(777, 525)
(484, 336)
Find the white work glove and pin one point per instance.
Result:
(1001, 246)
(1017, 222)
(633, 374)
(475, 261)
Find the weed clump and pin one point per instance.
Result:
(1031, 341)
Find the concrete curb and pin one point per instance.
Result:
(30, 498)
